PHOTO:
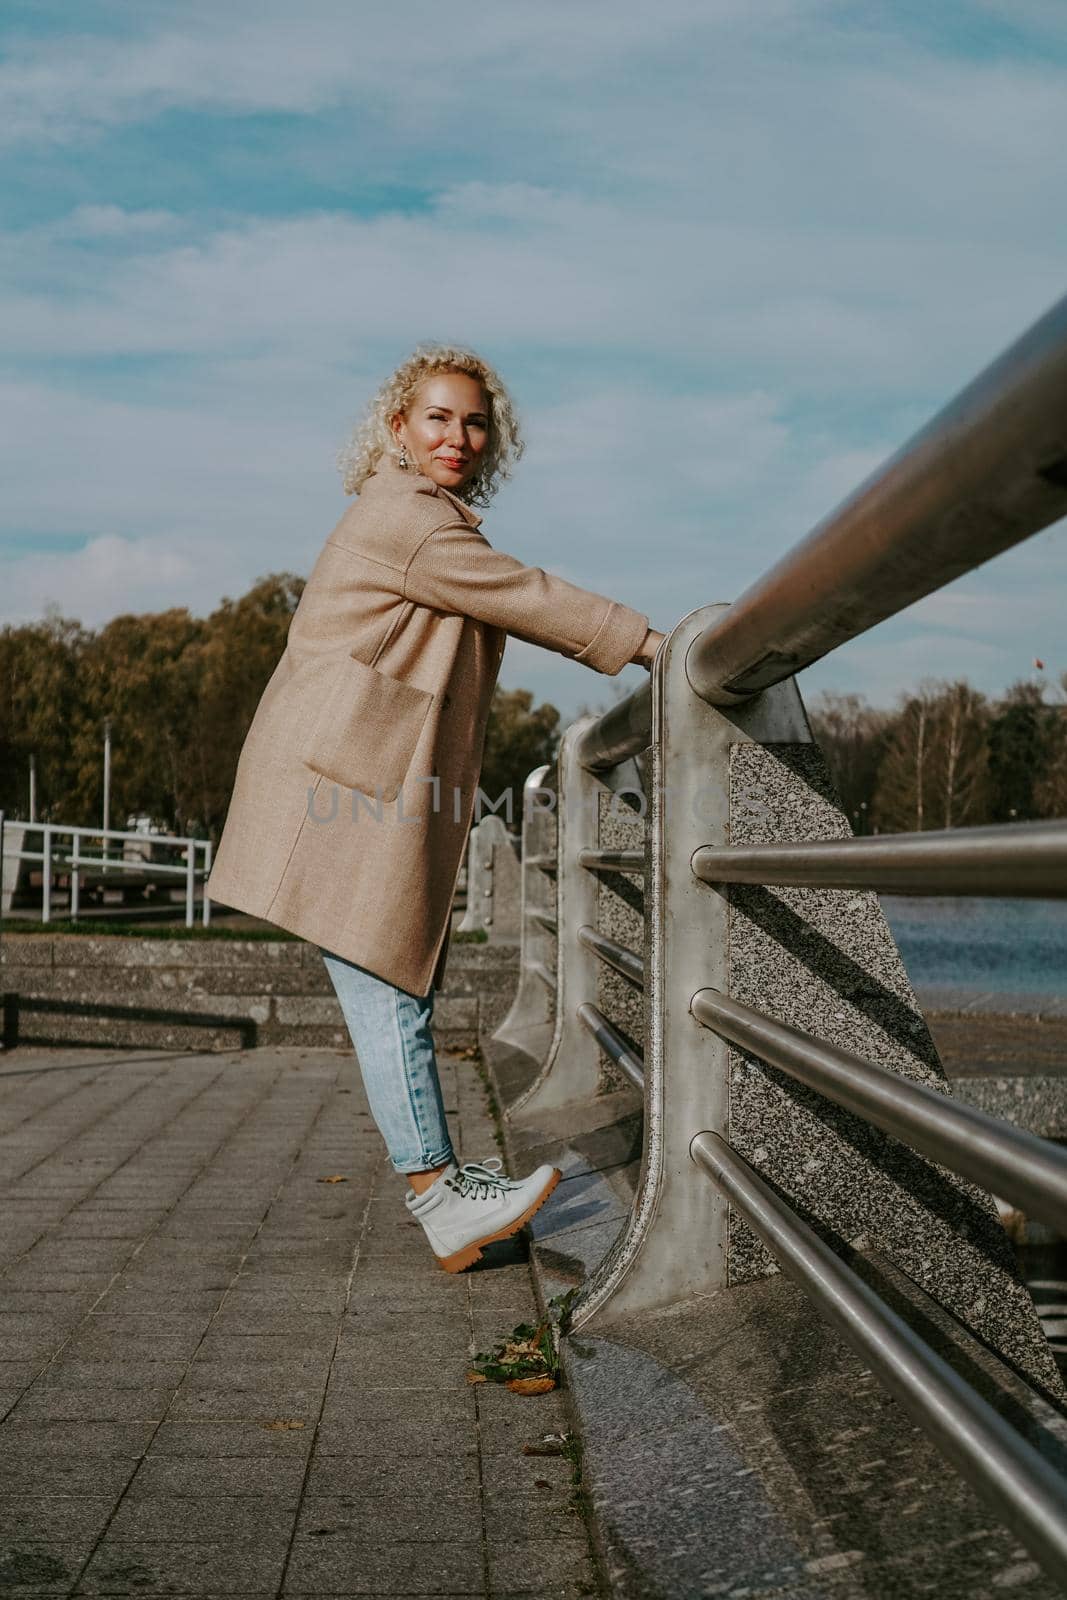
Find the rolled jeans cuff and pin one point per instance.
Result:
(390, 1030)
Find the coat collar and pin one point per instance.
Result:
(393, 477)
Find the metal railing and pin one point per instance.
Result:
(1030, 1171)
(1005, 1469)
(534, 1004)
(78, 857)
(1022, 859)
(988, 472)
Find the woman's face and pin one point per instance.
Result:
(446, 428)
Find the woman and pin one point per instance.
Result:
(356, 783)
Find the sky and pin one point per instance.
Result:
(726, 254)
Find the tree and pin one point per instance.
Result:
(1019, 748)
(239, 648)
(933, 770)
(852, 737)
(181, 691)
(959, 756)
(903, 775)
(139, 676)
(517, 739)
(41, 706)
(1050, 790)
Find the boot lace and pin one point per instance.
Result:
(482, 1180)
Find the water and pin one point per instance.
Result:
(1009, 946)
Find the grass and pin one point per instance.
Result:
(142, 930)
(473, 1054)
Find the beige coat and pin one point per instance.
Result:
(356, 783)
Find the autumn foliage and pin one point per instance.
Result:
(947, 757)
(180, 692)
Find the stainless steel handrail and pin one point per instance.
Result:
(612, 860)
(613, 1044)
(547, 921)
(998, 1462)
(623, 731)
(1025, 859)
(544, 862)
(1008, 1160)
(625, 961)
(987, 472)
(547, 977)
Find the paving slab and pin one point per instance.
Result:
(222, 1375)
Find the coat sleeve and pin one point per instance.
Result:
(456, 569)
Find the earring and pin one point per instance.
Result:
(403, 460)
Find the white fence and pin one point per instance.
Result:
(85, 852)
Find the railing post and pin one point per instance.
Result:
(206, 902)
(190, 882)
(528, 1025)
(571, 1070)
(675, 1243)
(75, 875)
(506, 875)
(46, 873)
(484, 837)
(821, 961)
(473, 920)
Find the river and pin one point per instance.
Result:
(1013, 947)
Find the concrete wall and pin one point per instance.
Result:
(215, 994)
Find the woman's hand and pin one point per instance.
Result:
(650, 644)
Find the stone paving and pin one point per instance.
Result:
(222, 1375)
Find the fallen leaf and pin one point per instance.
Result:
(518, 1349)
(284, 1422)
(338, 1177)
(549, 1444)
(477, 1377)
(542, 1483)
(526, 1354)
(530, 1385)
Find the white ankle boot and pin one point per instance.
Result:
(468, 1207)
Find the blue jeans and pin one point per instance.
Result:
(390, 1030)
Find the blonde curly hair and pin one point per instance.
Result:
(373, 436)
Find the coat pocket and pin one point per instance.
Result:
(366, 730)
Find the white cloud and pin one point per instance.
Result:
(80, 462)
(109, 575)
(815, 314)
(246, 58)
(728, 256)
(110, 222)
(884, 664)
